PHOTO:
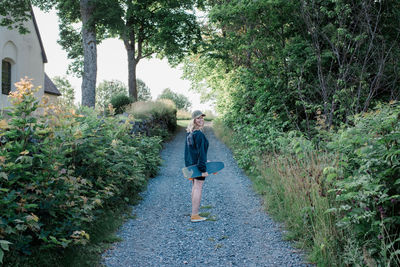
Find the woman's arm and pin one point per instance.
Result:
(201, 163)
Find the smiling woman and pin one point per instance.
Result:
(196, 147)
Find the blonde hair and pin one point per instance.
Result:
(192, 126)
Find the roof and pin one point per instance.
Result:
(38, 35)
(50, 87)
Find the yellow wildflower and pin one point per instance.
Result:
(114, 143)
(4, 124)
(78, 134)
(32, 217)
(23, 89)
(25, 152)
(111, 109)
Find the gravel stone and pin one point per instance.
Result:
(238, 232)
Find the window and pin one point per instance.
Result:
(5, 77)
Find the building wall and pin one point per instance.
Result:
(25, 54)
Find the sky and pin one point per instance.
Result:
(112, 64)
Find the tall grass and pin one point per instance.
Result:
(144, 110)
(295, 192)
(183, 115)
(183, 123)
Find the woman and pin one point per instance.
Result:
(196, 147)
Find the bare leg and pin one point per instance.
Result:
(196, 195)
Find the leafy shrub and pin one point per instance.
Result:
(145, 110)
(367, 188)
(119, 102)
(60, 169)
(343, 202)
(290, 178)
(183, 115)
(34, 189)
(254, 136)
(179, 100)
(209, 115)
(161, 114)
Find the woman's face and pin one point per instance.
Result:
(199, 122)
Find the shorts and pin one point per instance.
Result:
(201, 178)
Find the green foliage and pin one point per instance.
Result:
(34, 190)
(70, 41)
(367, 185)
(342, 202)
(183, 115)
(66, 90)
(61, 171)
(181, 101)
(143, 91)
(14, 14)
(158, 27)
(69, 13)
(119, 102)
(106, 90)
(285, 76)
(160, 116)
(301, 60)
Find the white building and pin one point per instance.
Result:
(23, 55)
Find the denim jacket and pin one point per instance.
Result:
(196, 147)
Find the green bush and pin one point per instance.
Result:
(160, 114)
(62, 170)
(367, 186)
(36, 195)
(288, 174)
(120, 102)
(183, 115)
(342, 202)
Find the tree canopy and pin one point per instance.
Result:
(106, 90)
(144, 93)
(180, 100)
(14, 14)
(298, 60)
(164, 28)
(66, 90)
(81, 46)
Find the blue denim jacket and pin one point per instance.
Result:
(196, 147)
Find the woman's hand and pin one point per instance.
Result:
(204, 174)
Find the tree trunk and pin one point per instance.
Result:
(130, 42)
(89, 54)
(132, 63)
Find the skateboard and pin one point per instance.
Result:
(193, 171)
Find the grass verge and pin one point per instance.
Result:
(183, 123)
(294, 193)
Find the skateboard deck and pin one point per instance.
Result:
(193, 171)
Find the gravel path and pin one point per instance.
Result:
(238, 232)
